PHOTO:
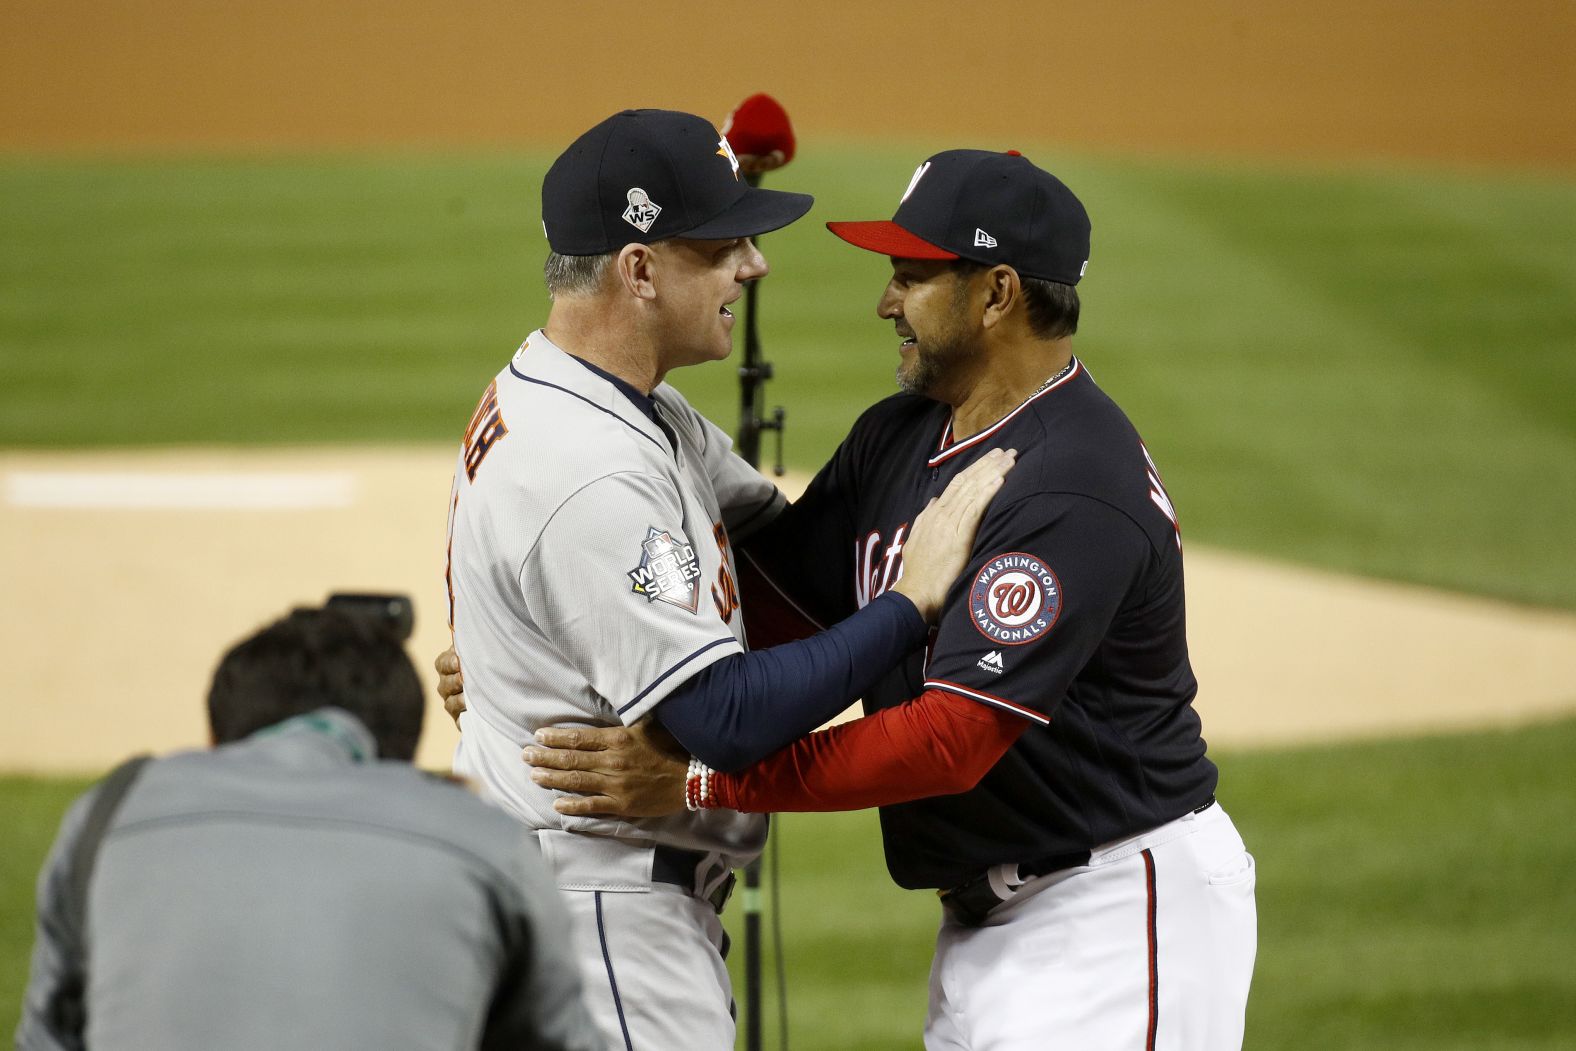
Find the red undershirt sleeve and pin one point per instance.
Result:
(936, 744)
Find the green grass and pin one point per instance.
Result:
(1365, 370)
(30, 811)
(1412, 895)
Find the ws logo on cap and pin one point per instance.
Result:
(642, 210)
(1015, 599)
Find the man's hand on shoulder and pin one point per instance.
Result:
(633, 771)
(942, 538)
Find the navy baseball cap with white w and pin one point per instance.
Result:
(987, 207)
(645, 175)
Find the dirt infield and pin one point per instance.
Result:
(116, 613)
(128, 573)
(1474, 82)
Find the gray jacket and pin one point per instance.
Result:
(291, 891)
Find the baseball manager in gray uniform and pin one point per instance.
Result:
(301, 884)
(591, 573)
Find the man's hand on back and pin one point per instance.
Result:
(633, 771)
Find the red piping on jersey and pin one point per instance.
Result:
(987, 698)
(944, 452)
(1154, 954)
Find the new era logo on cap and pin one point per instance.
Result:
(986, 207)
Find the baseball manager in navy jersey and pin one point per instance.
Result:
(1039, 761)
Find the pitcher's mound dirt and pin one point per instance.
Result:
(115, 615)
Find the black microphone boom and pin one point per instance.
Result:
(753, 375)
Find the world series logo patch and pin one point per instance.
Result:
(669, 571)
(1015, 599)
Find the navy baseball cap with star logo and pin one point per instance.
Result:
(986, 207)
(646, 175)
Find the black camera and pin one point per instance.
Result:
(396, 613)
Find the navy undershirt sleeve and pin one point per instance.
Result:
(746, 706)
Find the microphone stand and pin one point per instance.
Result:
(753, 375)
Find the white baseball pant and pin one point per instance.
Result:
(1150, 946)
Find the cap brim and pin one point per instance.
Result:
(757, 212)
(888, 238)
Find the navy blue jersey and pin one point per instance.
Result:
(1070, 614)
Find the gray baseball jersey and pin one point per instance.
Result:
(590, 574)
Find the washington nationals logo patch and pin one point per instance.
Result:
(669, 571)
(1015, 599)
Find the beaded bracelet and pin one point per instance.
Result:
(697, 785)
(692, 782)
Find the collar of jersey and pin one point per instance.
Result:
(947, 448)
(541, 360)
(644, 402)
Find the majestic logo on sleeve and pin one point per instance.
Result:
(669, 571)
(992, 662)
(1015, 599)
